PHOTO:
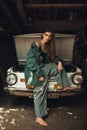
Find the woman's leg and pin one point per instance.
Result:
(61, 77)
(40, 97)
(40, 104)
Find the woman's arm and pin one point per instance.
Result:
(33, 64)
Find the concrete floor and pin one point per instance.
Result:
(63, 114)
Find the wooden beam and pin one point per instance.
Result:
(81, 6)
(56, 25)
(22, 13)
(9, 15)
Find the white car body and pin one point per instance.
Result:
(16, 83)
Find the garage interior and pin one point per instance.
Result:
(32, 16)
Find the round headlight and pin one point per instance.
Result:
(77, 78)
(11, 79)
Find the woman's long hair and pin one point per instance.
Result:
(50, 46)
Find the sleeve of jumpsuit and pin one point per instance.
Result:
(33, 62)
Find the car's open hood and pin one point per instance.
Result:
(63, 45)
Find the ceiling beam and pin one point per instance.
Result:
(72, 25)
(9, 15)
(22, 13)
(83, 6)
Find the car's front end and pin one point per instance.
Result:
(16, 82)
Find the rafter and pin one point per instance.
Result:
(56, 6)
(22, 13)
(9, 15)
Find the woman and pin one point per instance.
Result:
(39, 67)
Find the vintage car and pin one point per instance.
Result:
(15, 75)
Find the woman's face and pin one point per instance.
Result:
(47, 36)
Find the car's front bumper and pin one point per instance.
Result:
(50, 94)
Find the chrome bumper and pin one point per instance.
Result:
(50, 94)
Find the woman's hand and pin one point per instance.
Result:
(60, 66)
(41, 78)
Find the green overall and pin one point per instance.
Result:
(34, 69)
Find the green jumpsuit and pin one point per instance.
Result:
(39, 64)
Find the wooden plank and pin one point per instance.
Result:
(67, 25)
(22, 13)
(81, 6)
